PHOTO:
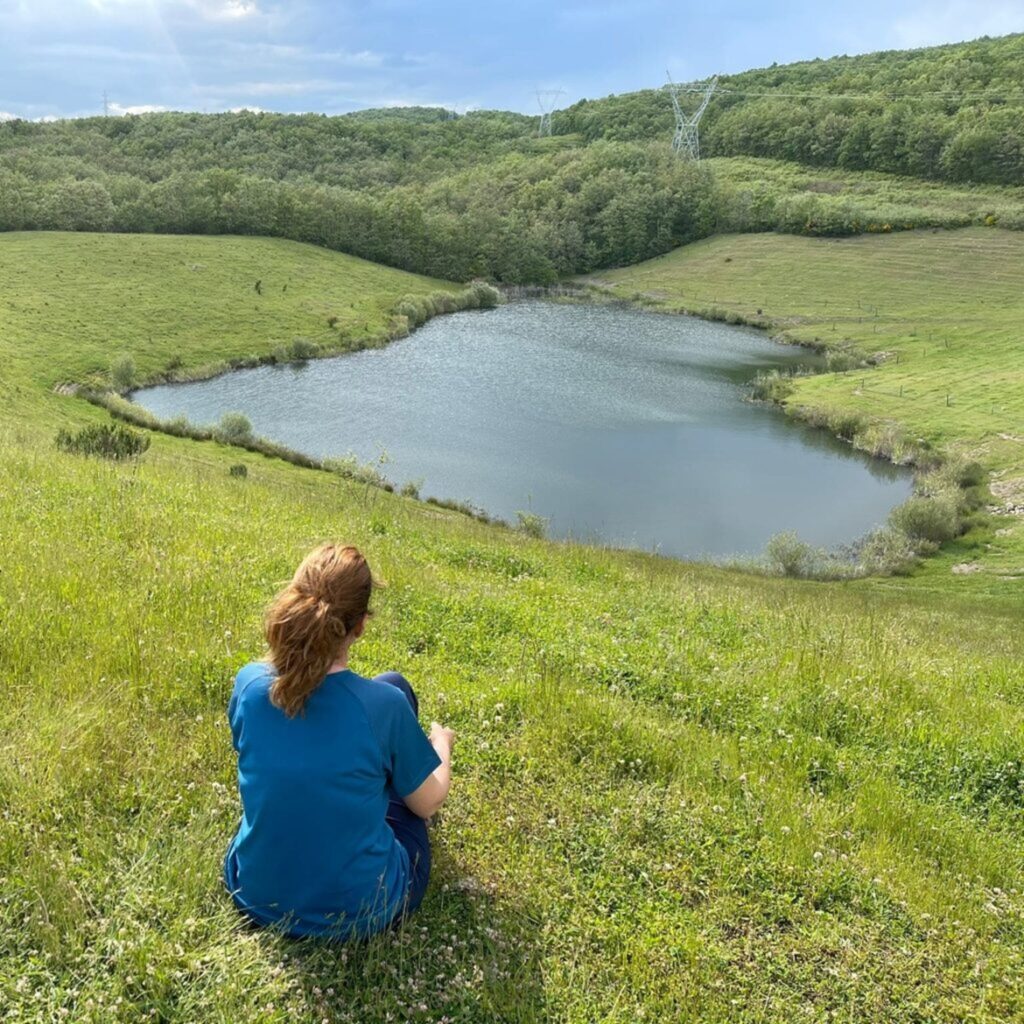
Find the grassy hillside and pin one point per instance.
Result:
(681, 793)
(758, 194)
(941, 311)
(71, 303)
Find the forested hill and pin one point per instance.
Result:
(481, 195)
(947, 112)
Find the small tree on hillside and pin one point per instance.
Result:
(233, 428)
(122, 372)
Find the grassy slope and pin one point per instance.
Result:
(681, 793)
(949, 303)
(892, 198)
(163, 297)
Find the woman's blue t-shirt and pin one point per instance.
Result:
(313, 854)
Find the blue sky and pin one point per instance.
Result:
(57, 57)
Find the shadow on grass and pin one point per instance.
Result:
(467, 954)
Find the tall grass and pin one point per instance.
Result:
(681, 793)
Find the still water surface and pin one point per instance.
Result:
(620, 426)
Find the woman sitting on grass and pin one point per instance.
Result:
(335, 774)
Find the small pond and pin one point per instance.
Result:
(620, 426)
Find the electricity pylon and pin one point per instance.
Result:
(546, 100)
(686, 141)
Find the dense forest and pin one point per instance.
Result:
(953, 113)
(481, 195)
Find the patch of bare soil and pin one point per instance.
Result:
(1010, 494)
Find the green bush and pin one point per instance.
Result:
(303, 349)
(122, 372)
(771, 386)
(408, 308)
(418, 309)
(238, 470)
(233, 428)
(411, 489)
(179, 426)
(971, 474)
(887, 551)
(955, 473)
(887, 440)
(443, 302)
(466, 508)
(398, 327)
(531, 524)
(932, 519)
(842, 360)
(106, 440)
(846, 424)
(483, 295)
(349, 467)
(787, 555)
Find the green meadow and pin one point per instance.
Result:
(682, 793)
(73, 303)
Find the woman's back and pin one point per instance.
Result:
(313, 852)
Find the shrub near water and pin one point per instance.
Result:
(122, 373)
(107, 441)
(532, 524)
(418, 309)
(928, 519)
(789, 556)
(303, 349)
(233, 428)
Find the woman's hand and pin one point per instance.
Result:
(442, 733)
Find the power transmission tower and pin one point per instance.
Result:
(686, 140)
(546, 100)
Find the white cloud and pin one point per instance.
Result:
(955, 20)
(210, 10)
(271, 53)
(224, 10)
(139, 108)
(310, 85)
(4, 116)
(397, 104)
(362, 59)
(86, 51)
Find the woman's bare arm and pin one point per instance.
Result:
(432, 793)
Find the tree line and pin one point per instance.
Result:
(481, 196)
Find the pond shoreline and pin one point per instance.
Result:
(625, 392)
(123, 407)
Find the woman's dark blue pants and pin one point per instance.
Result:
(410, 829)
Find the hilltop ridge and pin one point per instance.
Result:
(481, 195)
